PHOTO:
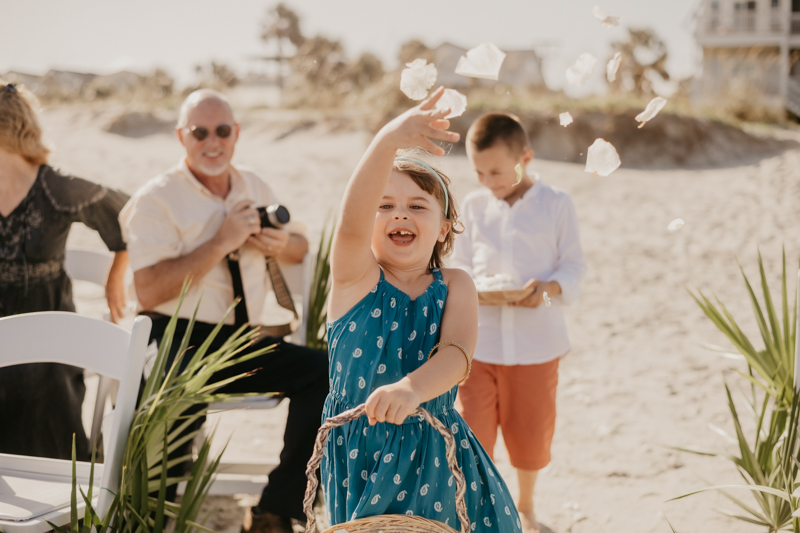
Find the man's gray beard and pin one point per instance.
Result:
(213, 171)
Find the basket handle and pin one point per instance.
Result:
(357, 412)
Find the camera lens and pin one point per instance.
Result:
(274, 216)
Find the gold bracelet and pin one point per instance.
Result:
(463, 350)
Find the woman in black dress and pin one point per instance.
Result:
(40, 404)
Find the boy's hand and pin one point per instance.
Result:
(539, 288)
(392, 403)
(418, 125)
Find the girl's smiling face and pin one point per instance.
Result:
(408, 224)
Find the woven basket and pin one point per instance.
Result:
(385, 523)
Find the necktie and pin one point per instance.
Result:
(240, 313)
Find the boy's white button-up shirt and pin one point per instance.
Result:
(536, 238)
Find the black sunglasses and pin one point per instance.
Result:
(200, 133)
(10, 88)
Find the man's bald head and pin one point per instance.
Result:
(202, 97)
(208, 131)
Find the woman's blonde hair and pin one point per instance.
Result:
(20, 132)
(428, 183)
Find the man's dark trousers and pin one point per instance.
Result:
(299, 374)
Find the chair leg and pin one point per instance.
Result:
(106, 388)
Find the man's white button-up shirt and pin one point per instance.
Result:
(173, 214)
(536, 238)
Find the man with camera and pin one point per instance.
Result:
(222, 227)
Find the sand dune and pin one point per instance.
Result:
(636, 381)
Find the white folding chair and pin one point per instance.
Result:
(93, 266)
(33, 490)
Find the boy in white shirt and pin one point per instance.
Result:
(518, 228)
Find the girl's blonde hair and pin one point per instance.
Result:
(422, 177)
(20, 132)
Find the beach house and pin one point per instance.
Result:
(750, 51)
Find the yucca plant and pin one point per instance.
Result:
(163, 414)
(768, 459)
(316, 334)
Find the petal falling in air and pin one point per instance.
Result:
(676, 224)
(453, 100)
(602, 158)
(604, 19)
(652, 109)
(613, 66)
(483, 61)
(417, 79)
(582, 70)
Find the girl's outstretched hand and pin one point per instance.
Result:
(392, 403)
(420, 124)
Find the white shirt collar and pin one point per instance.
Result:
(526, 196)
(237, 183)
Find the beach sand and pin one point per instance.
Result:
(637, 380)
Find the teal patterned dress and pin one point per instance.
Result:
(401, 469)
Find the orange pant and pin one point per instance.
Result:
(521, 399)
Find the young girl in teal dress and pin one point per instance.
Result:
(390, 305)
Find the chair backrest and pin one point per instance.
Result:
(93, 266)
(90, 343)
(88, 265)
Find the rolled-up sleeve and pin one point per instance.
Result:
(571, 263)
(148, 229)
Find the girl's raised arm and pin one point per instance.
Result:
(352, 257)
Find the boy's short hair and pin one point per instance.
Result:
(493, 128)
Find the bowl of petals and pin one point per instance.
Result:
(500, 289)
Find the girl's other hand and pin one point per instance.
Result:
(392, 403)
(420, 124)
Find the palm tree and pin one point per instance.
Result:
(281, 24)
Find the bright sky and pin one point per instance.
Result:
(107, 35)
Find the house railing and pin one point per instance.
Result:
(764, 21)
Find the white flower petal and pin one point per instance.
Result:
(565, 118)
(612, 66)
(454, 101)
(546, 299)
(603, 18)
(602, 158)
(417, 79)
(676, 224)
(652, 109)
(483, 61)
(582, 70)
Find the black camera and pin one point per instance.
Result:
(273, 216)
